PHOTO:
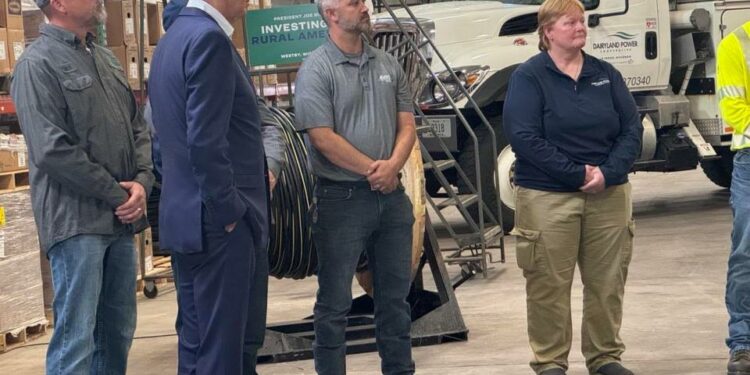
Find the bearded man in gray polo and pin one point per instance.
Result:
(354, 104)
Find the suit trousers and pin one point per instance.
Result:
(217, 301)
(555, 232)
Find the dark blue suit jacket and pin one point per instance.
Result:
(205, 114)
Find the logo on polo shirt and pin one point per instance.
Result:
(600, 82)
(385, 78)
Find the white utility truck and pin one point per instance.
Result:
(665, 50)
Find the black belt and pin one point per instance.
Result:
(362, 184)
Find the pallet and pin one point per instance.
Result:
(19, 337)
(14, 181)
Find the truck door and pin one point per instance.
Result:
(636, 42)
(733, 17)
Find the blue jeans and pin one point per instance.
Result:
(95, 309)
(738, 273)
(348, 220)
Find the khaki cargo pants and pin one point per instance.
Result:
(554, 232)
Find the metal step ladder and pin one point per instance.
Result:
(409, 41)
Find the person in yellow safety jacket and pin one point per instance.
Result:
(733, 76)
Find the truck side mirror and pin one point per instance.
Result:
(595, 19)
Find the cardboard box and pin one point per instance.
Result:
(238, 37)
(119, 53)
(11, 160)
(120, 23)
(148, 55)
(155, 27)
(128, 57)
(131, 56)
(16, 45)
(243, 54)
(4, 52)
(137, 15)
(32, 20)
(11, 14)
(283, 78)
(270, 79)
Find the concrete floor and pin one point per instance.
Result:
(674, 322)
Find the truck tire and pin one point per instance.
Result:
(719, 171)
(506, 163)
(487, 165)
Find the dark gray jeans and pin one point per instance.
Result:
(349, 219)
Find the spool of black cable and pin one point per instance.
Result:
(291, 252)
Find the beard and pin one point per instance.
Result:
(363, 26)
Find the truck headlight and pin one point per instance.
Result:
(468, 78)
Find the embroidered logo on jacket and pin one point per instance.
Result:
(600, 82)
(385, 78)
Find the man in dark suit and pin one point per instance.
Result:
(214, 203)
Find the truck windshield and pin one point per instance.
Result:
(589, 4)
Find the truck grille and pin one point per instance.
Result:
(396, 43)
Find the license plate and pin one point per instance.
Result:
(440, 127)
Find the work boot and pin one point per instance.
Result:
(613, 368)
(553, 371)
(739, 363)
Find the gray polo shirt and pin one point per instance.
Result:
(359, 97)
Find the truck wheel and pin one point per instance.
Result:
(720, 171)
(506, 165)
(487, 164)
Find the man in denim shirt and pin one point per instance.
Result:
(90, 164)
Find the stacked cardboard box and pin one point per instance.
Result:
(12, 41)
(21, 285)
(154, 14)
(123, 32)
(13, 153)
(32, 19)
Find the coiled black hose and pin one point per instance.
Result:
(291, 253)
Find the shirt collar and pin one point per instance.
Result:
(66, 36)
(213, 13)
(338, 56)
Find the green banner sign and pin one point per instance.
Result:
(283, 35)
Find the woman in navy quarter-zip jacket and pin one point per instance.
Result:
(576, 132)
